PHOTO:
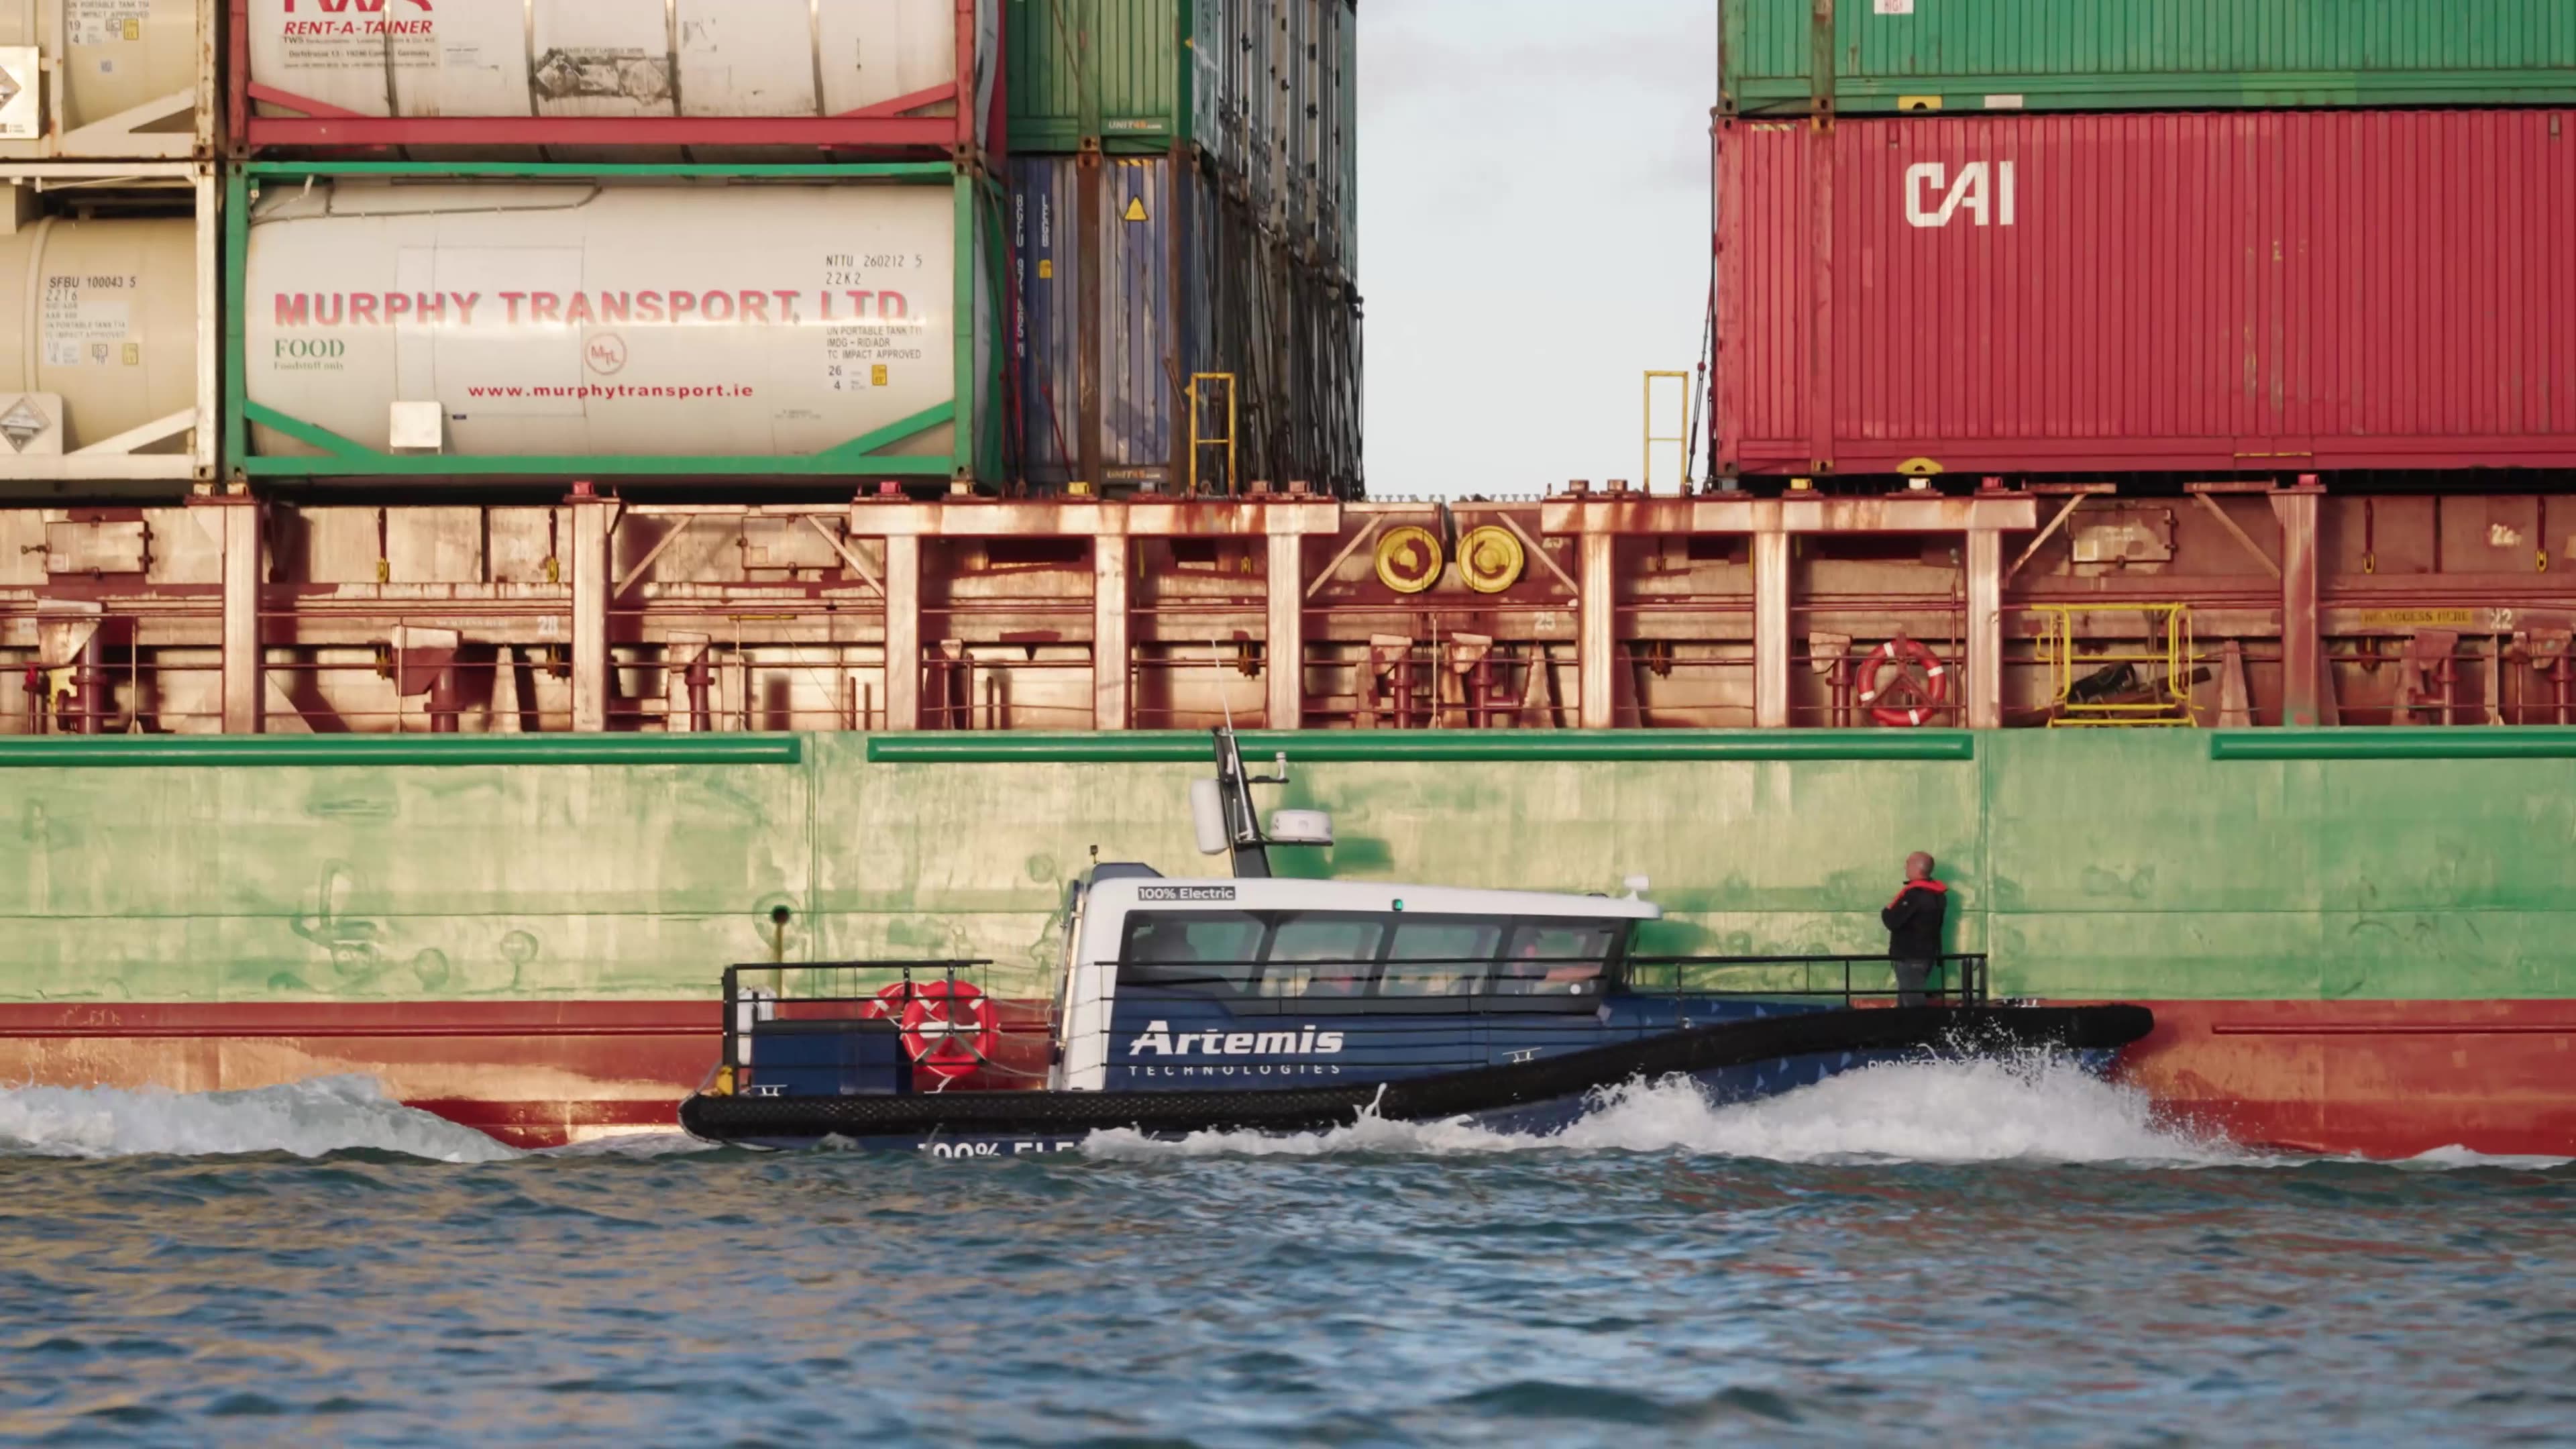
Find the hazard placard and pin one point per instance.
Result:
(20, 119)
(1136, 209)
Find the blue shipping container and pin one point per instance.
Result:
(1152, 248)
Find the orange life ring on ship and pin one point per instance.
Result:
(1920, 675)
(950, 1028)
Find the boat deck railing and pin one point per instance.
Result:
(858, 991)
(1385, 999)
(1954, 980)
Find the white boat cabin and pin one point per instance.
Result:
(1353, 945)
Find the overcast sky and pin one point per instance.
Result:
(1533, 233)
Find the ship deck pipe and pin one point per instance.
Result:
(89, 689)
(698, 678)
(445, 704)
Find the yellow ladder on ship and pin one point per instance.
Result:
(1201, 384)
(1680, 442)
(2164, 647)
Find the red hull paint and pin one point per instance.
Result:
(533, 1074)
(2385, 1079)
(2263, 291)
(2378, 1078)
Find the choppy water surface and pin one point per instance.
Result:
(1955, 1251)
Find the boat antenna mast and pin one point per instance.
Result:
(1228, 798)
(1227, 821)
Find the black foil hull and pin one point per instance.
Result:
(1057, 1117)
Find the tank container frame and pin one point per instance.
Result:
(113, 460)
(880, 130)
(118, 137)
(858, 458)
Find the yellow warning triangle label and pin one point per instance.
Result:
(1136, 209)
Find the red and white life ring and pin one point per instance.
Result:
(1908, 656)
(949, 1028)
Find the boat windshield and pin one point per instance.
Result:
(1216, 952)
(1321, 956)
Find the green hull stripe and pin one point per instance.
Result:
(2102, 865)
(405, 751)
(1433, 746)
(2397, 744)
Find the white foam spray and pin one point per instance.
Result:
(2037, 1110)
(308, 1119)
(1942, 1112)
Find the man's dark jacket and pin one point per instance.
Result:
(1913, 920)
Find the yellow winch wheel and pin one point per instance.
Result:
(1409, 559)
(1491, 559)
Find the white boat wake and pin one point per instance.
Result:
(307, 1119)
(2037, 1111)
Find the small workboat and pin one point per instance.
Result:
(1256, 1003)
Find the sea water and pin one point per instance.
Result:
(1937, 1253)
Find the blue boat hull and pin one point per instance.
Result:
(1726, 1085)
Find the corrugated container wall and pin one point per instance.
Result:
(1187, 283)
(1150, 245)
(1226, 240)
(421, 325)
(1267, 89)
(125, 80)
(2228, 291)
(858, 75)
(1121, 72)
(1291, 334)
(1252, 156)
(1786, 57)
(1301, 89)
(1341, 161)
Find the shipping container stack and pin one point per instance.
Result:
(677, 239)
(544, 261)
(1184, 242)
(2301, 247)
(108, 130)
(107, 144)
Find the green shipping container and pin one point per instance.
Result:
(1791, 57)
(1117, 71)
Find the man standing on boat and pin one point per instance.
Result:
(1913, 922)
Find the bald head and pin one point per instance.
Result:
(1918, 866)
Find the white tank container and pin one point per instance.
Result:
(105, 78)
(103, 313)
(614, 58)
(558, 319)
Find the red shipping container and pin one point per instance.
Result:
(2249, 291)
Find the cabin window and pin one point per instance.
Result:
(1317, 955)
(1555, 959)
(1433, 957)
(1213, 952)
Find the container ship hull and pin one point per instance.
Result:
(527, 947)
(2385, 1080)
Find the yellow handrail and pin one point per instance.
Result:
(1681, 440)
(1200, 441)
(2166, 646)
